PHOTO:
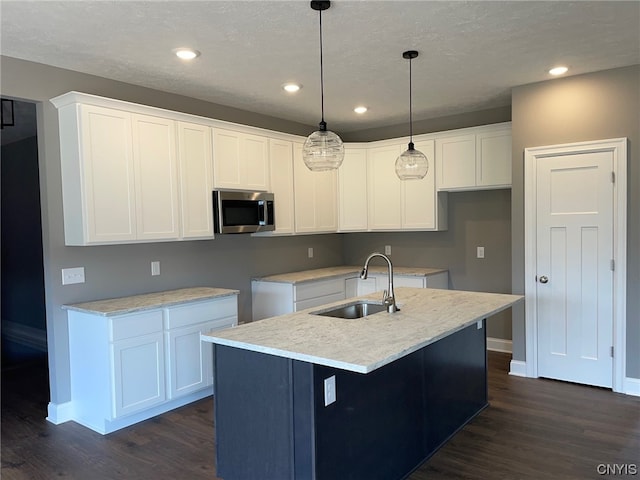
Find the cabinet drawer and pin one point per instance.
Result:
(316, 302)
(408, 281)
(135, 325)
(321, 288)
(193, 313)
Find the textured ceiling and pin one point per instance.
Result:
(471, 53)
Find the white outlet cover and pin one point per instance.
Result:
(155, 268)
(73, 275)
(387, 249)
(310, 252)
(329, 390)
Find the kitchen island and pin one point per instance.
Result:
(404, 384)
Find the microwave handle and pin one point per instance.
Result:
(264, 213)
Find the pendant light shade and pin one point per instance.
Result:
(412, 164)
(323, 149)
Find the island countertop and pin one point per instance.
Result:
(346, 270)
(365, 344)
(147, 301)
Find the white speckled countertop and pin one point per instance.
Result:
(136, 303)
(345, 270)
(365, 344)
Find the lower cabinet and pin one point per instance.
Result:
(127, 368)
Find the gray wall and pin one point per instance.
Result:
(119, 270)
(595, 106)
(480, 218)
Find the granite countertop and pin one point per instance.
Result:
(345, 270)
(148, 301)
(363, 345)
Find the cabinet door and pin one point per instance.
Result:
(195, 162)
(315, 197)
(408, 281)
(255, 162)
(385, 212)
(281, 171)
(419, 196)
(456, 162)
(226, 159)
(138, 373)
(493, 166)
(189, 360)
(106, 160)
(352, 193)
(155, 162)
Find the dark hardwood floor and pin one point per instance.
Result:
(533, 429)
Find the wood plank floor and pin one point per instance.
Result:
(533, 429)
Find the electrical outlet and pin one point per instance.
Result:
(72, 275)
(387, 249)
(310, 252)
(480, 252)
(329, 390)
(479, 324)
(155, 268)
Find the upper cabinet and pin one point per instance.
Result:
(403, 205)
(195, 166)
(241, 160)
(352, 190)
(129, 176)
(315, 197)
(474, 159)
(281, 171)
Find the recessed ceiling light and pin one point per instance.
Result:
(291, 87)
(558, 70)
(360, 109)
(186, 53)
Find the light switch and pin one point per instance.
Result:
(72, 275)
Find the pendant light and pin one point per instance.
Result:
(412, 164)
(323, 149)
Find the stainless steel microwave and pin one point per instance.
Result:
(236, 211)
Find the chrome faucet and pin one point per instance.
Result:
(388, 299)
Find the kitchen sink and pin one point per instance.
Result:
(353, 310)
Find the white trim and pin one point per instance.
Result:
(58, 413)
(631, 386)
(499, 345)
(518, 368)
(618, 146)
(35, 338)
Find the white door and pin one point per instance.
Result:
(574, 225)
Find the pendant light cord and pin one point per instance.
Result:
(321, 73)
(410, 106)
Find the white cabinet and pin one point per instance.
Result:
(240, 160)
(403, 205)
(195, 164)
(281, 171)
(378, 282)
(315, 197)
(493, 162)
(479, 159)
(156, 177)
(130, 177)
(127, 368)
(270, 299)
(189, 360)
(352, 190)
(385, 203)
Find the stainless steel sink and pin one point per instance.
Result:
(352, 310)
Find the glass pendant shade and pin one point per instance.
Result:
(412, 164)
(323, 150)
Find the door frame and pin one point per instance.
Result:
(618, 146)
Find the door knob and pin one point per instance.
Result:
(544, 279)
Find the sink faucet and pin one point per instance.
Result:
(389, 299)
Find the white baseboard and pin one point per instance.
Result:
(499, 345)
(518, 368)
(24, 335)
(58, 413)
(631, 386)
